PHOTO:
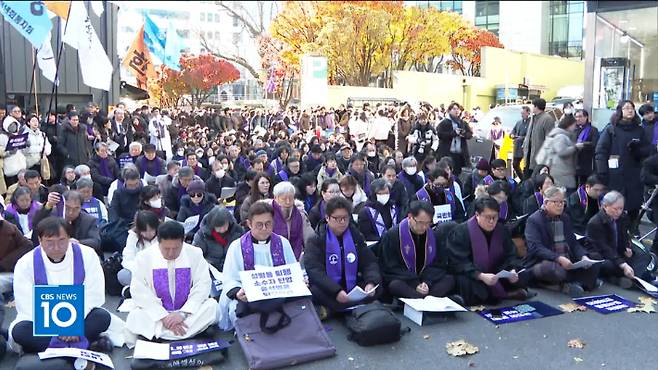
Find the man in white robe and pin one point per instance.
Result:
(57, 261)
(258, 247)
(170, 287)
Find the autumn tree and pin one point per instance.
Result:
(466, 49)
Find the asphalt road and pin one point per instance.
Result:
(615, 341)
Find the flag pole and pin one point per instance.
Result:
(36, 83)
(32, 79)
(55, 89)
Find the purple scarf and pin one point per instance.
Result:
(334, 259)
(408, 250)
(296, 235)
(34, 208)
(487, 256)
(582, 196)
(423, 195)
(496, 133)
(104, 167)
(488, 180)
(278, 164)
(153, 167)
(585, 133)
(283, 175)
(378, 221)
(330, 171)
(539, 198)
(247, 247)
(502, 214)
(40, 276)
(183, 285)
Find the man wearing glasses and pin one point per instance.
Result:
(480, 248)
(338, 259)
(258, 247)
(413, 263)
(553, 249)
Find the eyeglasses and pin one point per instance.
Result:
(422, 223)
(340, 220)
(557, 202)
(196, 195)
(263, 225)
(489, 218)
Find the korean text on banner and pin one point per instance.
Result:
(30, 18)
(274, 282)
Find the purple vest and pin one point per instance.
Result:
(247, 247)
(378, 220)
(40, 276)
(486, 257)
(408, 249)
(183, 283)
(296, 235)
(336, 259)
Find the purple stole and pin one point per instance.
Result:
(183, 283)
(487, 256)
(488, 180)
(334, 259)
(296, 236)
(34, 208)
(146, 166)
(270, 170)
(408, 249)
(654, 140)
(582, 196)
(585, 133)
(277, 164)
(422, 194)
(378, 221)
(496, 134)
(283, 175)
(40, 276)
(539, 198)
(247, 248)
(502, 214)
(104, 168)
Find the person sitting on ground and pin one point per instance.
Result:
(218, 230)
(480, 248)
(399, 194)
(412, 263)
(164, 182)
(22, 210)
(475, 178)
(178, 188)
(170, 286)
(134, 152)
(141, 236)
(330, 189)
(352, 191)
(337, 260)
(12, 188)
(150, 199)
(583, 204)
(258, 247)
(68, 178)
(379, 213)
(437, 193)
(292, 171)
(608, 240)
(409, 177)
(456, 185)
(536, 200)
(33, 181)
(92, 205)
(58, 260)
(498, 168)
(13, 245)
(553, 249)
(329, 170)
(361, 173)
(220, 178)
(150, 164)
(196, 203)
(126, 198)
(192, 161)
(104, 169)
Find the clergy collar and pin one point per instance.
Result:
(253, 240)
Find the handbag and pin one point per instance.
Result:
(45, 163)
(373, 324)
(294, 337)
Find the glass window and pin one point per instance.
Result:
(566, 30)
(235, 21)
(217, 35)
(216, 17)
(203, 17)
(487, 15)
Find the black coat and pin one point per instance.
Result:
(73, 145)
(215, 185)
(649, 177)
(315, 262)
(214, 252)
(98, 178)
(187, 208)
(615, 140)
(601, 241)
(539, 239)
(124, 205)
(578, 214)
(84, 229)
(399, 195)
(446, 133)
(585, 156)
(367, 226)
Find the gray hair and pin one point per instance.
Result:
(186, 171)
(379, 185)
(409, 162)
(84, 183)
(81, 168)
(135, 144)
(611, 198)
(283, 188)
(220, 216)
(552, 192)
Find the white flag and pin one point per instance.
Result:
(46, 60)
(97, 7)
(80, 34)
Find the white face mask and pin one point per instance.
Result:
(383, 198)
(372, 154)
(568, 111)
(180, 152)
(410, 170)
(155, 203)
(220, 173)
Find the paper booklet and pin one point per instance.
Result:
(358, 294)
(584, 264)
(433, 304)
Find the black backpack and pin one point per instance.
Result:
(111, 266)
(373, 324)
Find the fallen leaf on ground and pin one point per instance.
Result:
(426, 336)
(647, 300)
(578, 359)
(571, 307)
(10, 304)
(477, 308)
(461, 348)
(576, 343)
(647, 305)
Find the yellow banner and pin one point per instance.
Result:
(138, 61)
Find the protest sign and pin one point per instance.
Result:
(59, 310)
(274, 282)
(17, 142)
(176, 350)
(97, 357)
(526, 311)
(442, 214)
(605, 304)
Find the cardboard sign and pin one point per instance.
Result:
(59, 310)
(442, 214)
(274, 282)
(605, 304)
(17, 142)
(525, 311)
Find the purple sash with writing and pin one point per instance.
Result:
(539, 198)
(183, 284)
(408, 249)
(34, 208)
(422, 194)
(334, 255)
(296, 234)
(488, 180)
(40, 276)
(378, 220)
(584, 134)
(486, 257)
(247, 247)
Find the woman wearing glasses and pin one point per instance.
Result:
(195, 205)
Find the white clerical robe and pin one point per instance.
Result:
(145, 319)
(233, 264)
(58, 274)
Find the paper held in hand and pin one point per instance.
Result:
(583, 264)
(646, 286)
(358, 294)
(504, 274)
(274, 282)
(97, 357)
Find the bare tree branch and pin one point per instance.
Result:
(231, 58)
(249, 23)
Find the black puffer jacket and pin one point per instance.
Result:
(73, 144)
(214, 252)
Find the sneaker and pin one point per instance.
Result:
(125, 292)
(573, 290)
